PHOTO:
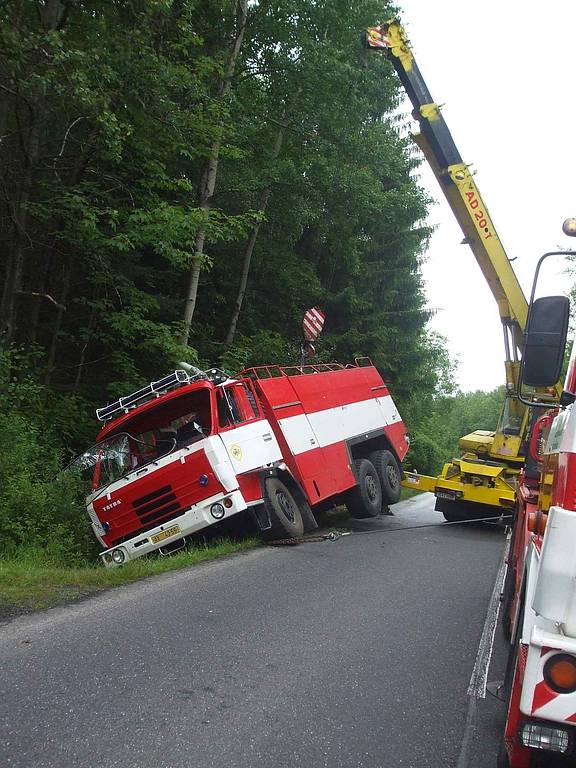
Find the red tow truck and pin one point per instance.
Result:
(539, 596)
(196, 448)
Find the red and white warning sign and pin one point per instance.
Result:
(313, 323)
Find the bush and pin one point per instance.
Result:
(424, 455)
(39, 507)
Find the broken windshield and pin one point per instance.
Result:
(115, 457)
(154, 433)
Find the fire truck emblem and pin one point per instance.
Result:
(236, 452)
(313, 323)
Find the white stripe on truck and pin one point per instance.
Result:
(322, 428)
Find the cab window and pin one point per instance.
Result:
(236, 404)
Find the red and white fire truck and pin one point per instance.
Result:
(195, 448)
(539, 598)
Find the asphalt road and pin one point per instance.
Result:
(350, 654)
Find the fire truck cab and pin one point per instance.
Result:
(189, 451)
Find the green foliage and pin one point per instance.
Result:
(34, 578)
(36, 509)
(109, 115)
(434, 440)
(263, 348)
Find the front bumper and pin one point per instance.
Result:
(193, 520)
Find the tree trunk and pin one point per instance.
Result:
(15, 265)
(91, 325)
(46, 265)
(208, 183)
(51, 16)
(263, 204)
(66, 276)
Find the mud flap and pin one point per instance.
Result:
(308, 518)
(261, 516)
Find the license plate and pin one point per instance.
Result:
(446, 495)
(165, 534)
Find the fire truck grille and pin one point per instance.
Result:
(159, 505)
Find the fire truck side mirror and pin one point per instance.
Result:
(545, 341)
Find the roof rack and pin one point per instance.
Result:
(179, 378)
(276, 371)
(152, 390)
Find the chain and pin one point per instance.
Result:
(332, 536)
(337, 535)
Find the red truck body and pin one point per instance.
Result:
(170, 463)
(540, 597)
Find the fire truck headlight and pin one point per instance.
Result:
(217, 511)
(539, 736)
(118, 556)
(560, 673)
(569, 227)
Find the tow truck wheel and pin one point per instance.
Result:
(285, 515)
(365, 499)
(389, 474)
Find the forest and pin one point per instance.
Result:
(180, 181)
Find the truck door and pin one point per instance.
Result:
(245, 432)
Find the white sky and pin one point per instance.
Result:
(506, 74)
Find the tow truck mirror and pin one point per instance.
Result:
(545, 341)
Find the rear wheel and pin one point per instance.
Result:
(365, 499)
(285, 514)
(389, 473)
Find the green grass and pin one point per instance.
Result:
(408, 493)
(30, 581)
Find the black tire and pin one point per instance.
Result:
(365, 499)
(389, 473)
(451, 510)
(285, 514)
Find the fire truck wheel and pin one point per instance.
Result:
(389, 474)
(285, 513)
(365, 499)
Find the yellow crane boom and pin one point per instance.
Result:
(455, 179)
(484, 477)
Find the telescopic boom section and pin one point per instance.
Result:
(457, 183)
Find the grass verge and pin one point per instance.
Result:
(29, 581)
(408, 493)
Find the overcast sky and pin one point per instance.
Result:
(506, 74)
